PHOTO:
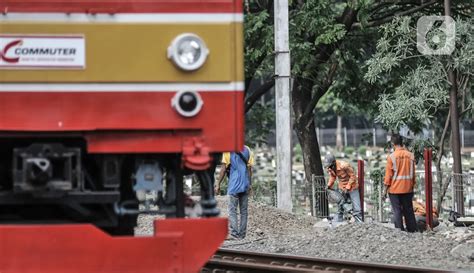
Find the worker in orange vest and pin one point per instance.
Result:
(399, 183)
(348, 186)
(420, 215)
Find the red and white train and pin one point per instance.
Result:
(102, 101)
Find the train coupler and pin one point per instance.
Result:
(196, 155)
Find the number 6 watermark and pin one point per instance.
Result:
(436, 35)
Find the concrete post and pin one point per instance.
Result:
(282, 101)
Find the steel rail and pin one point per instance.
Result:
(225, 260)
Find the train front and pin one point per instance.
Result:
(104, 105)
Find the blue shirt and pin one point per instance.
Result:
(239, 176)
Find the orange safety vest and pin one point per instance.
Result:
(400, 171)
(420, 209)
(345, 174)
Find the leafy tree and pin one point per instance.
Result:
(423, 94)
(423, 88)
(320, 34)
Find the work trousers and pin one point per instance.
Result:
(356, 208)
(402, 207)
(238, 200)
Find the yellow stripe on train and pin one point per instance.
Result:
(135, 52)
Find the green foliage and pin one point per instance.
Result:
(423, 86)
(331, 103)
(364, 13)
(464, 59)
(367, 137)
(376, 176)
(260, 122)
(349, 150)
(298, 154)
(418, 145)
(331, 34)
(416, 100)
(312, 24)
(258, 37)
(362, 150)
(262, 189)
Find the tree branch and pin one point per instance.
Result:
(441, 142)
(255, 66)
(260, 91)
(349, 16)
(320, 92)
(389, 17)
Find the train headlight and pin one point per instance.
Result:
(188, 51)
(187, 103)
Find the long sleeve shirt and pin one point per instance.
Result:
(345, 174)
(400, 171)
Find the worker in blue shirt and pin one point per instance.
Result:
(238, 166)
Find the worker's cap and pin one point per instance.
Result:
(329, 161)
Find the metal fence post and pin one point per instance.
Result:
(360, 174)
(428, 154)
(319, 137)
(380, 207)
(345, 136)
(313, 195)
(374, 136)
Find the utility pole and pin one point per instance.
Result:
(455, 140)
(282, 105)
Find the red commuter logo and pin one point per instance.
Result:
(3, 53)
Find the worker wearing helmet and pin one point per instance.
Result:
(399, 183)
(347, 183)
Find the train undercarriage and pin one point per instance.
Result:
(44, 180)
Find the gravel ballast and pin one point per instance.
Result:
(274, 230)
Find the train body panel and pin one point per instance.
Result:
(126, 81)
(124, 6)
(178, 245)
(122, 52)
(146, 114)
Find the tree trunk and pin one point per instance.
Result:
(339, 133)
(306, 133)
(456, 142)
(313, 166)
(441, 184)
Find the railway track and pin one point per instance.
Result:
(230, 260)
